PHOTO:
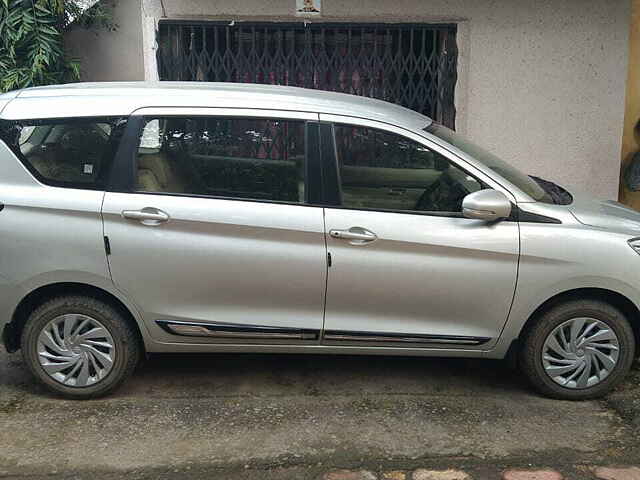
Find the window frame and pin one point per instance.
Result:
(331, 172)
(53, 121)
(124, 174)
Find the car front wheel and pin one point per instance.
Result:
(578, 350)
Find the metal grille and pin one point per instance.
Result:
(409, 64)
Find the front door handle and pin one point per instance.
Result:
(147, 216)
(356, 235)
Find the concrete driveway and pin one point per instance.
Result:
(290, 416)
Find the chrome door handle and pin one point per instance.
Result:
(357, 235)
(146, 216)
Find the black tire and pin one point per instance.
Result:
(127, 349)
(534, 338)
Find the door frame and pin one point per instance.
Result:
(122, 180)
(332, 198)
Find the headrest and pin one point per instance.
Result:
(148, 182)
(158, 164)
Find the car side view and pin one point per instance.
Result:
(203, 217)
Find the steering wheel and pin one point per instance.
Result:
(443, 195)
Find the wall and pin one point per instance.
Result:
(107, 56)
(541, 82)
(631, 136)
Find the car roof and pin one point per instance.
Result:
(123, 98)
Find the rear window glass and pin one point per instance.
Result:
(242, 158)
(74, 153)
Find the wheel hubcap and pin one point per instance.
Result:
(76, 350)
(580, 353)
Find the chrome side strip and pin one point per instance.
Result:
(259, 332)
(236, 331)
(340, 336)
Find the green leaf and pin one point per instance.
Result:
(31, 42)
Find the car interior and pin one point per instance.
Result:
(67, 153)
(187, 160)
(379, 170)
(256, 159)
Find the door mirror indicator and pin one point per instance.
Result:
(488, 205)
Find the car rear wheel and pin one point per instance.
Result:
(578, 350)
(80, 347)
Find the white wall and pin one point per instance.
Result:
(541, 82)
(108, 56)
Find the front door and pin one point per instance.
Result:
(215, 238)
(407, 268)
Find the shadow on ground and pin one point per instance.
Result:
(207, 375)
(317, 375)
(266, 411)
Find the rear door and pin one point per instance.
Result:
(213, 236)
(407, 268)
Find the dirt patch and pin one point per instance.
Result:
(626, 399)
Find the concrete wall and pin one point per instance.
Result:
(541, 82)
(107, 56)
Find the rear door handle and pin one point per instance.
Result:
(356, 235)
(147, 216)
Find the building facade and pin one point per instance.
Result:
(540, 83)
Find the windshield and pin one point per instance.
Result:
(524, 182)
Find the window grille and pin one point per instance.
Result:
(413, 65)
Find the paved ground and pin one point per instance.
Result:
(279, 416)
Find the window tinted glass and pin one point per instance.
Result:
(75, 153)
(384, 171)
(524, 182)
(260, 159)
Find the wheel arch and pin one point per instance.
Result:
(616, 299)
(13, 330)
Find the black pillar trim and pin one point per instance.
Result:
(123, 174)
(330, 174)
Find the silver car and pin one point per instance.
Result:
(194, 217)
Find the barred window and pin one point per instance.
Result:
(413, 65)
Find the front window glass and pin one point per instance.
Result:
(259, 159)
(75, 153)
(502, 168)
(383, 171)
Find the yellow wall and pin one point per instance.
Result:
(631, 137)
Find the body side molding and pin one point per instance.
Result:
(239, 331)
(347, 336)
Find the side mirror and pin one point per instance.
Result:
(488, 205)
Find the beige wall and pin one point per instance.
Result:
(541, 82)
(631, 137)
(107, 56)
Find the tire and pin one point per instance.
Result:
(110, 354)
(601, 317)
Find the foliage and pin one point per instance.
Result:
(31, 39)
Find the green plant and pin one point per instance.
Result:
(31, 39)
